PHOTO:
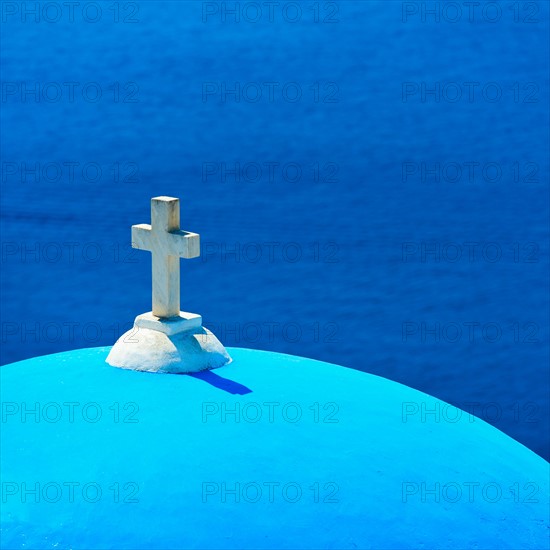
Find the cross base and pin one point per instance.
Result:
(172, 325)
(175, 345)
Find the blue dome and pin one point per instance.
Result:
(270, 451)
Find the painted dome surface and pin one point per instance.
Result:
(270, 451)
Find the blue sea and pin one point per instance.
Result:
(369, 180)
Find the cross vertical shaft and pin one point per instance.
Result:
(166, 287)
(165, 217)
(167, 244)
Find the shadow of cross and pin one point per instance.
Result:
(167, 244)
(222, 383)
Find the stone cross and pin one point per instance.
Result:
(167, 244)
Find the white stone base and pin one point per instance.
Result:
(177, 345)
(173, 325)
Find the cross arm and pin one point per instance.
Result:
(184, 244)
(141, 236)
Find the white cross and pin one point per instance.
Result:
(167, 244)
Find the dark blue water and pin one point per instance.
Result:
(350, 249)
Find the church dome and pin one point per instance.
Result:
(267, 451)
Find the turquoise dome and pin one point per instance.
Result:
(270, 451)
